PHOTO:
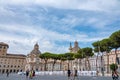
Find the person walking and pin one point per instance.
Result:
(115, 75)
(69, 74)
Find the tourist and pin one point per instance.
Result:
(7, 73)
(69, 74)
(75, 75)
(115, 75)
(27, 73)
(31, 74)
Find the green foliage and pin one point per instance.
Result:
(88, 51)
(45, 55)
(78, 56)
(62, 57)
(115, 39)
(69, 56)
(105, 44)
(113, 67)
(96, 46)
(54, 56)
(80, 51)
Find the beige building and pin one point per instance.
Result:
(10, 62)
(19, 62)
(32, 60)
(110, 58)
(75, 48)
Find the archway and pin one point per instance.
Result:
(3, 71)
(6, 70)
(11, 71)
(14, 71)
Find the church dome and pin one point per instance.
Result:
(76, 42)
(36, 49)
(36, 46)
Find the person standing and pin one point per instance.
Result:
(31, 74)
(75, 74)
(7, 73)
(27, 73)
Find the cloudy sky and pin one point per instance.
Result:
(56, 23)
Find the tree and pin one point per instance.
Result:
(79, 56)
(96, 46)
(62, 58)
(69, 57)
(100, 47)
(113, 67)
(106, 47)
(55, 58)
(88, 53)
(45, 56)
(115, 39)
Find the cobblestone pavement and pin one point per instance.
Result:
(49, 77)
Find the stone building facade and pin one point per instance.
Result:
(19, 62)
(110, 58)
(75, 48)
(10, 62)
(32, 60)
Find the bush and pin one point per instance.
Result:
(113, 67)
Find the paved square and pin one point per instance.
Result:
(49, 77)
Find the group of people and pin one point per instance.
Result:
(72, 75)
(30, 74)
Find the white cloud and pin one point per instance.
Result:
(94, 5)
(45, 38)
(22, 25)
